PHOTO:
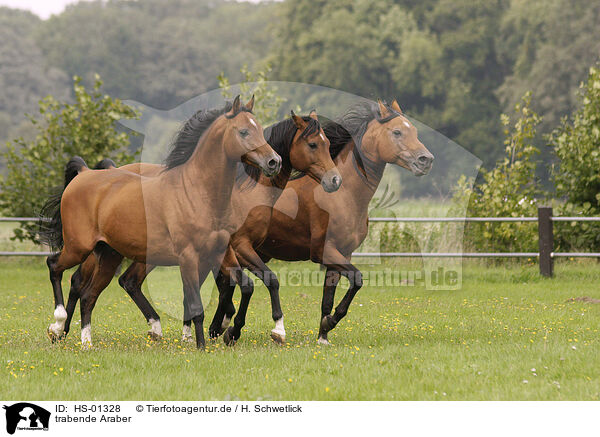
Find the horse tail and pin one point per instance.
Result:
(50, 219)
(105, 164)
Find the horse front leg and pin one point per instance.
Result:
(337, 265)
(233, 333)
(332, 278)
(225, 308)
(193, 273)
(226, 283)
(249, 259)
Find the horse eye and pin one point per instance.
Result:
(244, 133)
(312, 145)
(397, 132)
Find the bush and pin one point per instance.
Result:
(85, 128)
(576, 175)
(266, 100)
(509, 190)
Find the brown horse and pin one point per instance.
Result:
(180, 217)
(302, 145)
(327, 228)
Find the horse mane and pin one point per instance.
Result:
(188, 137)
(351, 126)
(280, 137)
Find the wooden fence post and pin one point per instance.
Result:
(546, 241)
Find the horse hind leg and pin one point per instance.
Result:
(132, 281)
(107, 261)
(57, 263)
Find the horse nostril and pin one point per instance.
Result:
(425, 160)
(273, 163)
(336, 181)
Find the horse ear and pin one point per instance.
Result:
(313, 114)
(396, 107)
(300, 124)
(236, 105)
(383, 110)
(250, 104)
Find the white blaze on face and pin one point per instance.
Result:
(407, 124)
(252, 123)
(322, 137)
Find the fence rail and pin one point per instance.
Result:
(544, 219)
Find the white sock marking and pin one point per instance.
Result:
(60, 316)
(187, 333)
(86, 336)
(155, 327)
(279, 328)
(225, 323)
(322, 340)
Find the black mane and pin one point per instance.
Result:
(280, 137)
(353, 124)
(188, 137)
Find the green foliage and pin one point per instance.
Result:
(438, 60)
(85, 128)
(508, 190)
(576, 144)
(24, 74)
(154, 51)
(266, 99)
(548, 46)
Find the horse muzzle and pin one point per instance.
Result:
(331, 181)
(421, 165)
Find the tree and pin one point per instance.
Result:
(267, 101)
(440, 62)
(85, 128)
(508, 190)
(24, 75)
(576, 144)
(548, 46)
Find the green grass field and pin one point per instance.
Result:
(506, 335)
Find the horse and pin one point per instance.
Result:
(180, 217)
(327, 228)
(303, 147)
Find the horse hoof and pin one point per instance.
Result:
(214, 333)
(278, 338)
(154, 336)
(53, 336)
(323, 341)
(228, 337)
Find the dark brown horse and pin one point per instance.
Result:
(302, 145)
(180, 217)
(327, 228)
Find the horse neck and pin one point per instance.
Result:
(209, 175)
(363, 188)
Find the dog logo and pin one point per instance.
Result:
(26, 416)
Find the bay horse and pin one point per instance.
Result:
(327, 228)
(303, 146)
(180, 217)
